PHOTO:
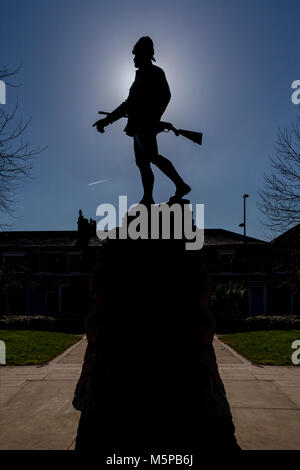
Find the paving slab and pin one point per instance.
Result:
(226, 355)
(263, 394)
(47, 422)
(237, 378)
(267, 376)
(267, 429)
(289, 382)
(293, 393)
(6, 394)
(74, 355)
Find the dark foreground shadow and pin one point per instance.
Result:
(150, 380)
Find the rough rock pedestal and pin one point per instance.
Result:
(150, 379)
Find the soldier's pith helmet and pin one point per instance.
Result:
(144, 46)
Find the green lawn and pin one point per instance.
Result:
(264, 347)
(34, 347)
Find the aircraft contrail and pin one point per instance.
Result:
(96, 182)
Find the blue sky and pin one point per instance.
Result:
(229, 64)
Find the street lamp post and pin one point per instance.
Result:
(244, 223)
(244, 256)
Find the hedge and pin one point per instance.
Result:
(74, 324)
(257, 323)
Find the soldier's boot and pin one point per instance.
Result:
(181, 191)
(169, 170)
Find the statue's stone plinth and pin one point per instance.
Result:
(150, 378)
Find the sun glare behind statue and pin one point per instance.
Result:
(127, 75)
(123, 78)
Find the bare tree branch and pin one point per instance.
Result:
(4, 73)
(280, 197)
(16, 157)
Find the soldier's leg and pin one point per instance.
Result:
(169, 170)
(146, 151)
(142, 158)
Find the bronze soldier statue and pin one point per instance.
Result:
(150, 381)
(148, 98)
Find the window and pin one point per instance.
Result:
(225, 258)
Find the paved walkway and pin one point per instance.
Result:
(36, 402)
(36, 410)
(264, 401)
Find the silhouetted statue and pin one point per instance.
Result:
(82, 224)
(86, 228)
(148, 98)
(150, 380)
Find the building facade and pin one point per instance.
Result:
(49, 272)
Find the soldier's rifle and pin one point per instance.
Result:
(167, 126)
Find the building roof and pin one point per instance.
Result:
(69, 238)
(220, 236)
(290, 236)
(45, 238)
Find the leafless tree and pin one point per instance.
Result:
(280, 197)
(4, 73)
(16, 157)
